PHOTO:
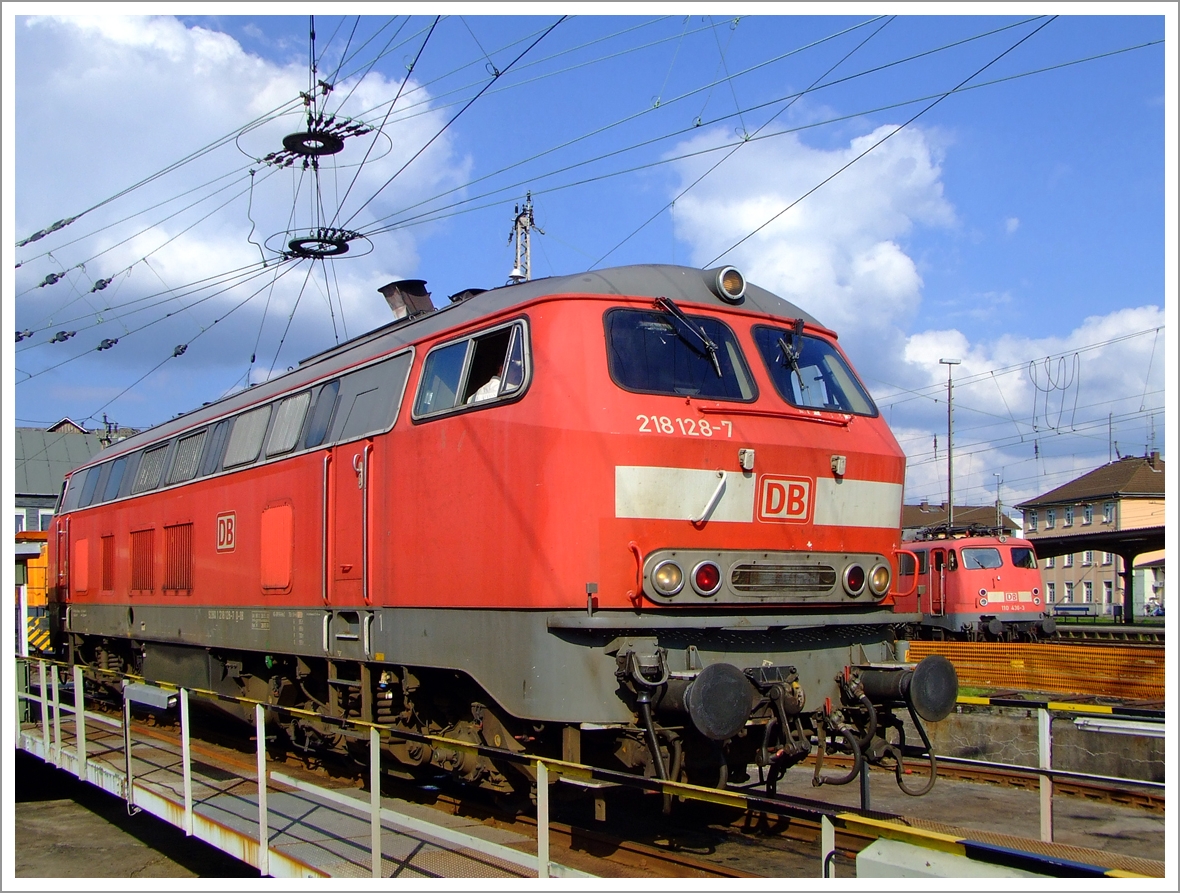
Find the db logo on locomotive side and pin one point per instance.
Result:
(785, 499)
(226, 525)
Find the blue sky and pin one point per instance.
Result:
(1019, 225)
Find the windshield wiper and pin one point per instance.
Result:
(667, 305)
(791, 353)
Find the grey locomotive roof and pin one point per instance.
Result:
(688, 285)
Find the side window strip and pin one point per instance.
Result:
(89, 486)
(150, 466)
(369, 398)
(245, 441)
(114, 479)
(321, 416)
(288, 424)
(216, 446)
(188, 454)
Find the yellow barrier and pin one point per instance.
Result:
(1115, 672)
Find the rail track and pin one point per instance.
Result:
(1113, 634)
(698, 841)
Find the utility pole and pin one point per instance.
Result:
(999, 481)
(950, 444)
(521, 229)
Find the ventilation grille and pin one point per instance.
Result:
(108, 563)
(178, 557)
(782, 578)
(142, 559)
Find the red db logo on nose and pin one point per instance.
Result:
(225, 531)
(784, 499)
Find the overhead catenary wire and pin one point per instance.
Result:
(146, 325)
(436, 214)
(158, 248)
(440, 132)
(220, 141)
(179, 350)
(401, 86)
(143, 300)
(926, 52)
(186, 229)
(744, 141)
(939, 387)
(598, 131)
(883, 139)
(329, 300)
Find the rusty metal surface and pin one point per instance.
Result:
(1128, 672)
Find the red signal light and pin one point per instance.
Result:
(706, 578)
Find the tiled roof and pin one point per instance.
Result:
(915, 516)
(43, 458)
(1132, 476)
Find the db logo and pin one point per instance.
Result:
(226, 530)
(1011, 597)
(784, 499)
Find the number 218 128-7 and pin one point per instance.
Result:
(662, 424)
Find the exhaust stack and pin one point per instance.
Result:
(407, 298)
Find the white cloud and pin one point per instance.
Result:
(1011, 225)
(839, 249)
(841, 254)
(1038, 406)
(104, 101)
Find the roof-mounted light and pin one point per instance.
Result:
(729, 284)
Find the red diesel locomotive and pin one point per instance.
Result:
(978, 588)
(646, 516)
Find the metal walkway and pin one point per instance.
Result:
(310, 831)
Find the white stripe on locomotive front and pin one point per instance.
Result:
(849, 503)
(681, 494)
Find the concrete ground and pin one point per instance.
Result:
(970, 805)
(65, 828)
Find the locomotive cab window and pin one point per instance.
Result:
(981, 559)
(1023, 556)
(906, 563)
(658, 352)
(484, 369)
(809, 373)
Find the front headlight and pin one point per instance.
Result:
(667, 578)
(880, 579)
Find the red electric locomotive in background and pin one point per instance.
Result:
(982, 587)
(646, 515)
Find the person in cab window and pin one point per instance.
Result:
(490, 389)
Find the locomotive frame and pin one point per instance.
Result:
(557, 560)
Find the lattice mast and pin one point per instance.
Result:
(522, 228)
